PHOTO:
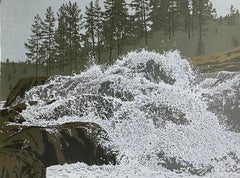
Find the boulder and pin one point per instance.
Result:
(20, 163)
(178, 165)
(66, 143)
(19, 107)
(107, 89)
(22, 86)
(166, 113)
(10, 115)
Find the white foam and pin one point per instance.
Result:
(202, 142)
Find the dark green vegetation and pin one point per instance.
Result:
(63, 43)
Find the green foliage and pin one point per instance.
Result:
(142, 19)
(34, 44)
(114, 28)
(68, 37)
(48, 38)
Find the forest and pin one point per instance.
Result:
(71, 35)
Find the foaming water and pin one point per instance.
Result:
(163, 118)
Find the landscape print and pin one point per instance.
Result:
(120, 88)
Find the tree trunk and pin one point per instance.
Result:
(145, 23)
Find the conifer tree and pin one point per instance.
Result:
(74, 25)
(90, 24)
(142, 14)
(48, 38)
(109, 26)
(205, 12)
(122, 30)
(60, 37)
(155, 14)
(34, 44)
(99, 27)
(68, 35)
(185, 16)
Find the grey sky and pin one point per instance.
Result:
(17, 18)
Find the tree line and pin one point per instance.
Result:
(69, 36)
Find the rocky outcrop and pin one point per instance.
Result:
(178, 165)
(20, 164)
(10, 115)
(26, 151)
(67, 143)
(22, 86)
(166, 113)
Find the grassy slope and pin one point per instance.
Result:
(227, 60)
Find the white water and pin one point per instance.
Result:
(167, 121)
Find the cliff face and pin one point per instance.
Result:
(224, 61)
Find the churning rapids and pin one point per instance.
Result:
(163, 118)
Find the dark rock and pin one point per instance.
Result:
(19, 107)
(50, 102)
(225, 104)
(67, 143)
(31, 103)
(155, 73)
(107, 89)
(178, 165)
(22, 86)
(20, 163)
(166, 113)
(10, 115)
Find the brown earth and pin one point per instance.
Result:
(224, 61)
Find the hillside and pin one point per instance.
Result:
(223, 61)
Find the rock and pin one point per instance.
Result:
(19, 107)
(22, 86)
(10, 115)
(67, 143)
(20, 163)
(178, 165)
(107, 89)
(166, 113)
(155, 73)
(31, 103)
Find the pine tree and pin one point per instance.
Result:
(68, 35)
(34, 44)
(109, 26)
(48, 35)
(155, 14)
(185, 16)
(61, 39)
(73, 27)
(90, 24)
(142, 17)
(99, 27)
(205, 12)
(121, 31)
